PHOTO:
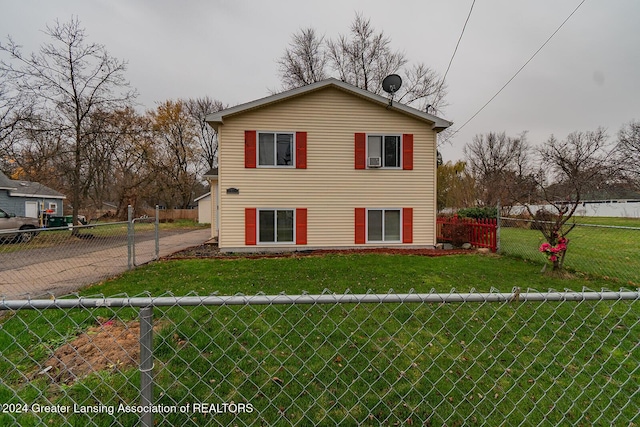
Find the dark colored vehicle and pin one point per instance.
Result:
(11, 222)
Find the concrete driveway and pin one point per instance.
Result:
(62, 276)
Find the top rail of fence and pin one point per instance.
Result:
(515, 295)
(66, 227)
(578, 224)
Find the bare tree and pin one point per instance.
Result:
(500, 165)
(568, 171)
(628, 150)
(36, 152)
(13, 112)
(363, 58)
(69, 79)
(577, 165)
(124, 158)
(304, 61)
(206, 136)
(176, 142)
(423, 86)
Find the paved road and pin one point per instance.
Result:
(62, 275)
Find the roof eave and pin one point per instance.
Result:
(217, 119)
(38, 196)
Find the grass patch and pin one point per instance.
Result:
(61, 236)
(611, 253)
(338, 273)
(374, 364)
(611, 221)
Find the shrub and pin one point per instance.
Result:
(479, 212)
(455, 233)
(541, 217)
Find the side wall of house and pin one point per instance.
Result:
(330, 187)
(17, 205)
(8, 203)
(205, 210)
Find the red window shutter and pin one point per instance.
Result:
(301, 150)
(361, 151)
(301, 226)
(407, 151)
(249, 148)
(250, 228)
(407, 225)
(361, 226)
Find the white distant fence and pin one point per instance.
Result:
(609, 208)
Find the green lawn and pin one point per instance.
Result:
(614, 221)
(375, 364)
(612, 253)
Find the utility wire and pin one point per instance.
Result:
(455, 50)
(517, 72)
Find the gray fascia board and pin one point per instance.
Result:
(216, 119)
(36, 195)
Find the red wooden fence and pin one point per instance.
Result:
(481, 233)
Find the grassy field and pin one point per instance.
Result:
(612, 253)
(392, 364)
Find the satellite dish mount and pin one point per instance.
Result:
(391, 84)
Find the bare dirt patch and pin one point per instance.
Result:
(110, 346)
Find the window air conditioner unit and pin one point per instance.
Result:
(374, 162)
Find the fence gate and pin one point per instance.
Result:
(147, 245)
(482, 233)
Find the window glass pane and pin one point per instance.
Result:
(391, 225)
(375, 146)
(285, 148)
(391, 151)
(267, 224)
(285, 226)
(266, 155)
(374, 225)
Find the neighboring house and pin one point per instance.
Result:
(204, 208)
(214, 215)
(326, 165)
(30, 199)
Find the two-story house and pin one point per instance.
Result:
(326, 165)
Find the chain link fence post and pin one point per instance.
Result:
(130, 255)
(498, 225)
(146, 364)
(157, 230)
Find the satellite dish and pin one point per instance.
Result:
(391, 83)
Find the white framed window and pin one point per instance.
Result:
(276, 225)
(384, 150)
(384, 225)
(276, 149)
(53, 208)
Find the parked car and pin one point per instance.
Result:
(11, 222)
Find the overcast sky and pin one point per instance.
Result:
(587, 76)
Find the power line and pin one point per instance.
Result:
(517, 72)
(455, 50)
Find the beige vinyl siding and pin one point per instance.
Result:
(214, 208)
(330, 187)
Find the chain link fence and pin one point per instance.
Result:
(62, 259)
(515, 358)
(612, 252)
